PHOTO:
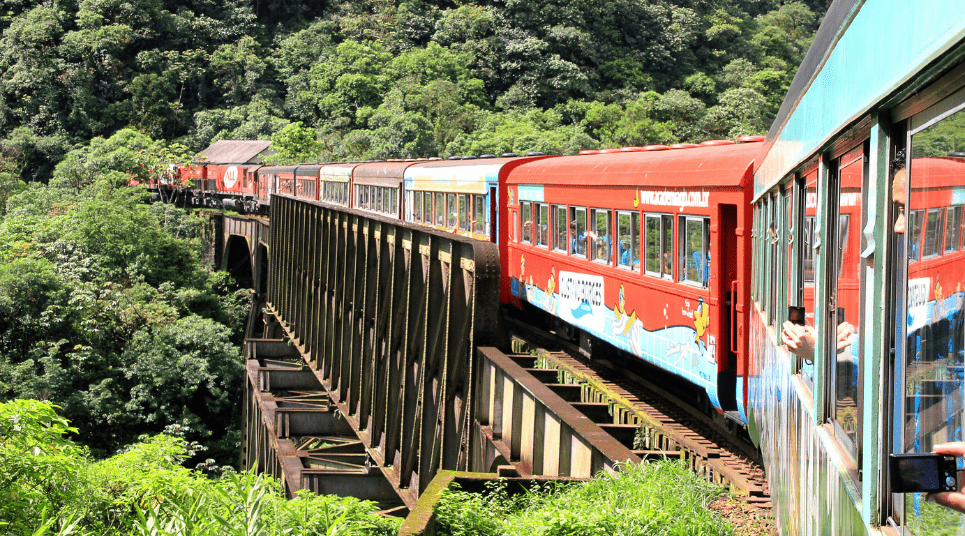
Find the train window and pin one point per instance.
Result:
(542, 225)
(427, 208)
(933, 232)
(602, 248)
(694, 250)
(628, 240)
(381, 198)
(559, 228)
(463, 213)
(843, 350)
(440, 209)
(953, 228)
(451, 211)
(914, 226)
(527, 224)
(578, 231)
(931, 408)
(659, 242)
(809, 258)
(479, 214)
(417, 206)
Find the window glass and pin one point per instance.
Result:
(463, 213)
(843, 347)
(542, 225)
(934, 228)
(628, 235)
(953, 228)
(932, 407)
(479, 214)
(578, 231)
(527, 215)
(559, 228)
(601, 241)
(694, 250)
(440, 209)
(451, 211)
(380, 204)
(417, 206)
(427, 212)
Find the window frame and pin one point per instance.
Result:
(683, 224)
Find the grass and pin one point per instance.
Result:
(656, 499)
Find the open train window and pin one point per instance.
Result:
(578, 231)
(658, 254)
(527, 223)
(628, 240)
(559, 227)
(601, 245)
(694, 250)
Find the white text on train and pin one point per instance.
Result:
(675, 199)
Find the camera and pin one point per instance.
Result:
(918, 473)
(795, 315)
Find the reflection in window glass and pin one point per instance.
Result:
(694, 250)
(628, 235)
(602, 243)
(578, 231)
(559, 228)
(527, 214)
(844, 350)
(932, 406)
(809, 261)
(953, 228)
(933, 232)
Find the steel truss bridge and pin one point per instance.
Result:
(374, 361)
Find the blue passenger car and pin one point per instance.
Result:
(858, 223)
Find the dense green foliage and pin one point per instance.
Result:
(655, 499)
(378, 79)
(49, 485)
(107, 310)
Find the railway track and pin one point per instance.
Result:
(668, 426)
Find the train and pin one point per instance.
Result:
(810, 283)
(592, 239)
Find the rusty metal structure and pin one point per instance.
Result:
(386, 317)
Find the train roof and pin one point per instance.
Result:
(235, 152)
(462, 175)
(712, 165)
(387, 173)
(339, 172)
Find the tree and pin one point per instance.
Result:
(293, 144)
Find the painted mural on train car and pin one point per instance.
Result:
(670, 328)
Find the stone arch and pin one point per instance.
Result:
(237, 261)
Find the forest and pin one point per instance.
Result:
(373, 79)
(109, 312)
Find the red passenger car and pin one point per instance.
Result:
(642, 248)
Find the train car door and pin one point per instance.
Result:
(492, 215)
(727, 293)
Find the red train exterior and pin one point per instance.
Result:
(642, 249)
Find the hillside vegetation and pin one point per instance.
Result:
(379, 79)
